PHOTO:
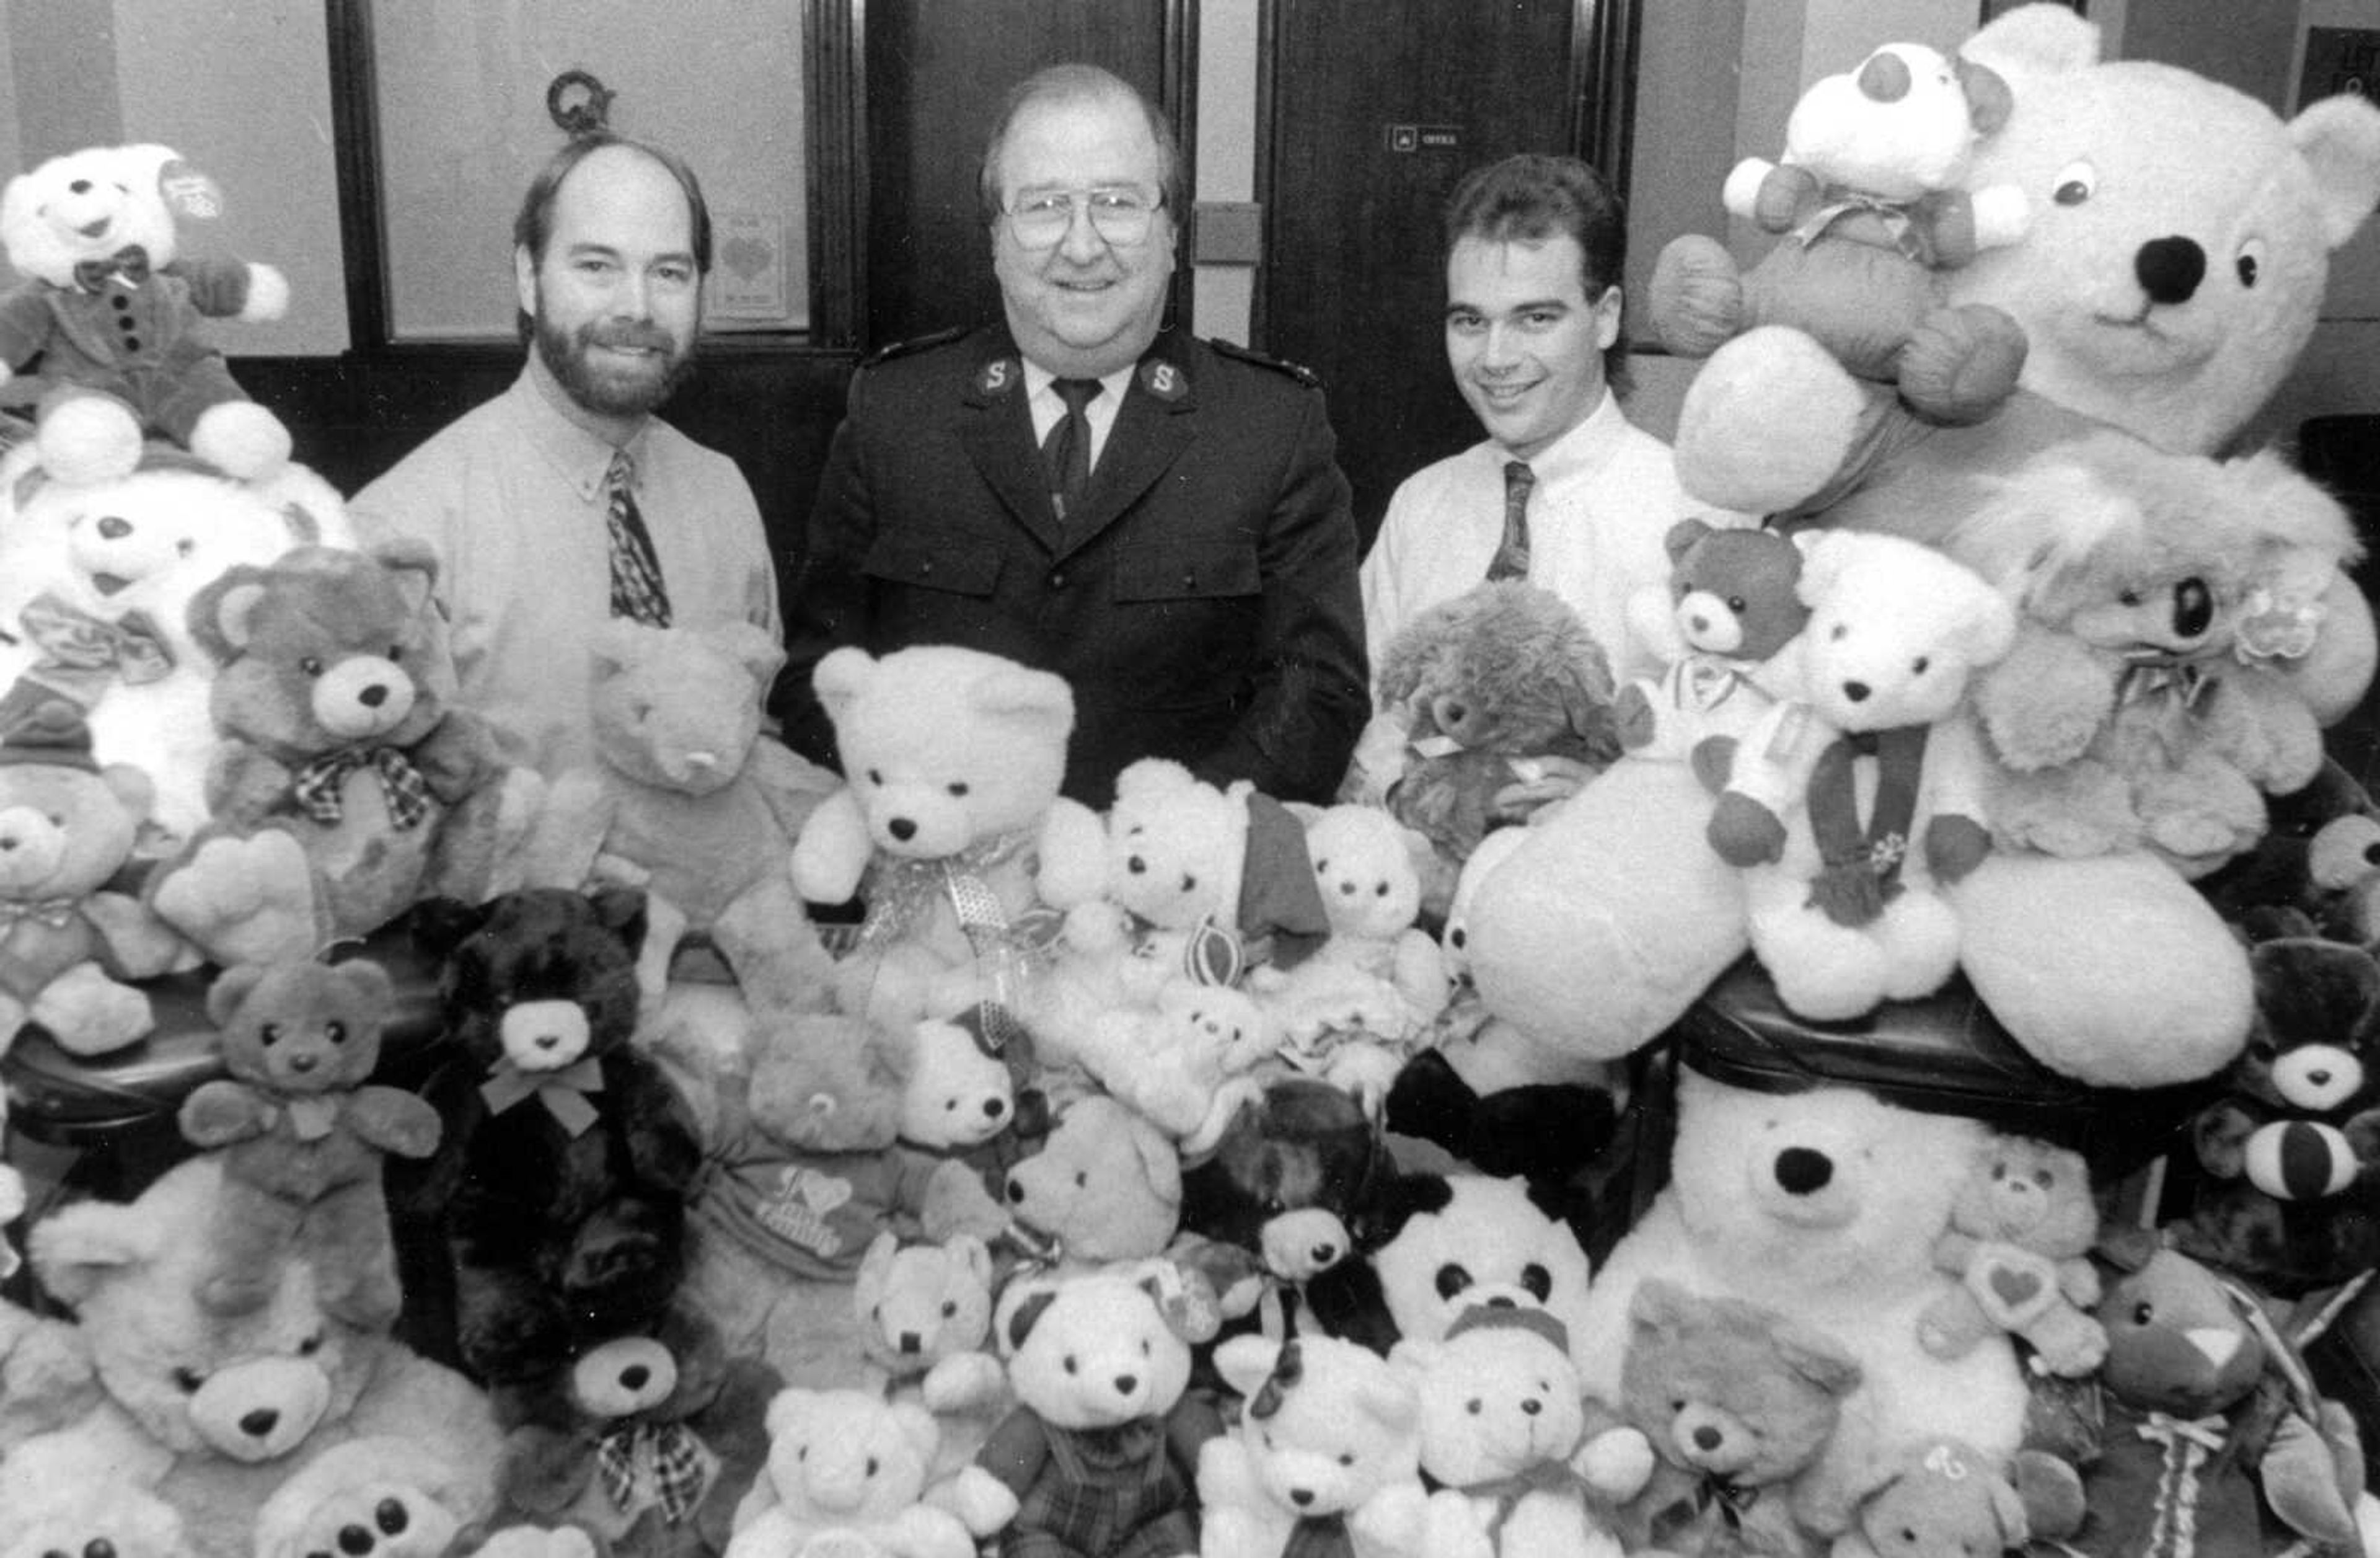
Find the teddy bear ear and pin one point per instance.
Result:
(2008, 1507)
(1987, 630)
(972, 1253)
(2044, 39)
(78, 1248)
(132, 788)
(1022, 1318)
(1683, 537)
(788, 1410)
(369, 981)
(621, 910)
(1818, 1357)
(1989, 102)
(1147, 778)
(231, 987)
(877, 1264)
(439, 925)
(840, 679)
(918, 1427)
(1246, 1361)
(413, 564)
(2128, 1249)
(221, 613)
(2339, 138)
(1037, 700)
(751, 646)
(619, 644)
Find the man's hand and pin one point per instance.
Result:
(1545, 780)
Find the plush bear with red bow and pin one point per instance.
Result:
(112, 311)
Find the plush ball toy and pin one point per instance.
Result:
(348, 784)
(1185, 1067)
(2164, 597)
(1486, 682)
(2291, 1146)
(846, 1473)
(212, 1412)
(1824, 1206)
(950, 825)
(67, 940)
(1504, 1424)
(649, 1439)
(688, 803)
(96, 582)
(1739, 1403)
(569, 1158)
(1326, 1451)
(1099, 1458)
(1106, 1186)
(303, 1129)
(112, 310)
(1731, 603)
(2019, 1242)
(1434, 1246)
(1871, 200)
(2204, 1409)
(1847, 806)
(368, 1498)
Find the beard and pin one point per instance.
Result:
(613, 388)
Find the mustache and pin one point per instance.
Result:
(645, 337)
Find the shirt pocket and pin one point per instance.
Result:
(953, 564)
(1187, 570)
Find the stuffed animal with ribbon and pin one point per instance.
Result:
(2214, 1438)
(303, 1130)
(1869, 202)
(569, 1156)
(949, 827)
(687, 802)
(2145, 704)
(112, 307)
(348, 782)
(1850, 807)
(1730, 605)
(649, 1438)
(925, 1324)
(69, 941)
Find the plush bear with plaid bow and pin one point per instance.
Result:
(569, 1157)
(112, 310)
(347, 784)
(303, 1130)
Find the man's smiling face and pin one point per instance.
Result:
(1525, 341)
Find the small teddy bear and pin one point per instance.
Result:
(846, 1472)
(67, 826)
(303, 1129)
(925, 1312)
(689, 804)
(1185, 1067)
(2019, 1242)
(1730, 606)
(1105, 1187)
(1942, 1500)
(949, 826)
(1870, 201)
(112, 311)
(1486, 683)
(1736, 1402)
(1842, 895)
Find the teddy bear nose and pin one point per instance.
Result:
(354, 1541)
(1301, 1497)
(910, 1343)
(258, 1423)
(1804, 1171)
(114, 526)
(374, 695)
(2193, 608)
(1124, 1383)
(636, 1376)
(302, 1064)
(1706, 1438)
(902, 829)
(1532, 1406)
(79, 187)
(389, 1515)
(2169, 269)
(1856, 691)
(2319, 1078)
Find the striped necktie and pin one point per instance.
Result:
(1067, 451)
(1512, 560)
(636, 589)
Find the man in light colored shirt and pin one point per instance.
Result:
(1565, 492)
(543, 531)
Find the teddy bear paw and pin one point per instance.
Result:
(1960, 365)
(241, 439)
(243, 900)
(89, 1013)
(86, 439)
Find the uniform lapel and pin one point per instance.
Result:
(998, 435)
(1153, 426)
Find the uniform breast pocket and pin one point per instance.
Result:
(1187, 622)
(1218, 571)
(955, 564)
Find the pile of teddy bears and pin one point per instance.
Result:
(1215, 1175)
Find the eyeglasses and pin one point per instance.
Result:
(1120, 217)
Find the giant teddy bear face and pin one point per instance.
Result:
(2181, 232)
(545, 976)
(301, 1027)
(249, 1386)
(89, 204)
(678, 707)
(327, 647)
(946, 746)
(1894, 629)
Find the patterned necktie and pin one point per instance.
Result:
(1067, 451)
(636, 573)
(1511, 559)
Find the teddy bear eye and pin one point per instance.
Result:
(1346, 1458)
(1474, 1407)
(2076, 182)
(1842, 631)
(2249, 264)
(310, 665)
(950, 1307)
(2143, 1312)
(1735, 603)
(1381, 891)
(395, 653)
(269, 1034)
(1137, 866)
(311, 1345)
(1918, 665)
(1189, 883)
(2045, 1179)
(2128, 597)
(188, 1381)
(185, 547)
(1082, 1178)
(876, 776)
(957, 789)
(1071, 1367)
(336, 1032)
(1457, 937)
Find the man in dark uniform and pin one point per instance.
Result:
(1157, 518)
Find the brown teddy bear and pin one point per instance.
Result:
(302, 1129)
(347, 784)
(2020, 1242)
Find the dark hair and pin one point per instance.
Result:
(1077, 83)
(533, 227)
(1530, 197)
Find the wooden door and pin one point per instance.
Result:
(1375, 109)
(937, 73)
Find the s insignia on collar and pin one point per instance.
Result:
(996, 376)
(1164, 380)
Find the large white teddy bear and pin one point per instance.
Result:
(1824, 1206)
(2173, 270)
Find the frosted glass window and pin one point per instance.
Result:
(463, 128)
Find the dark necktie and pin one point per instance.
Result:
(636, 590)
(1067, 451)
(1511, 559)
